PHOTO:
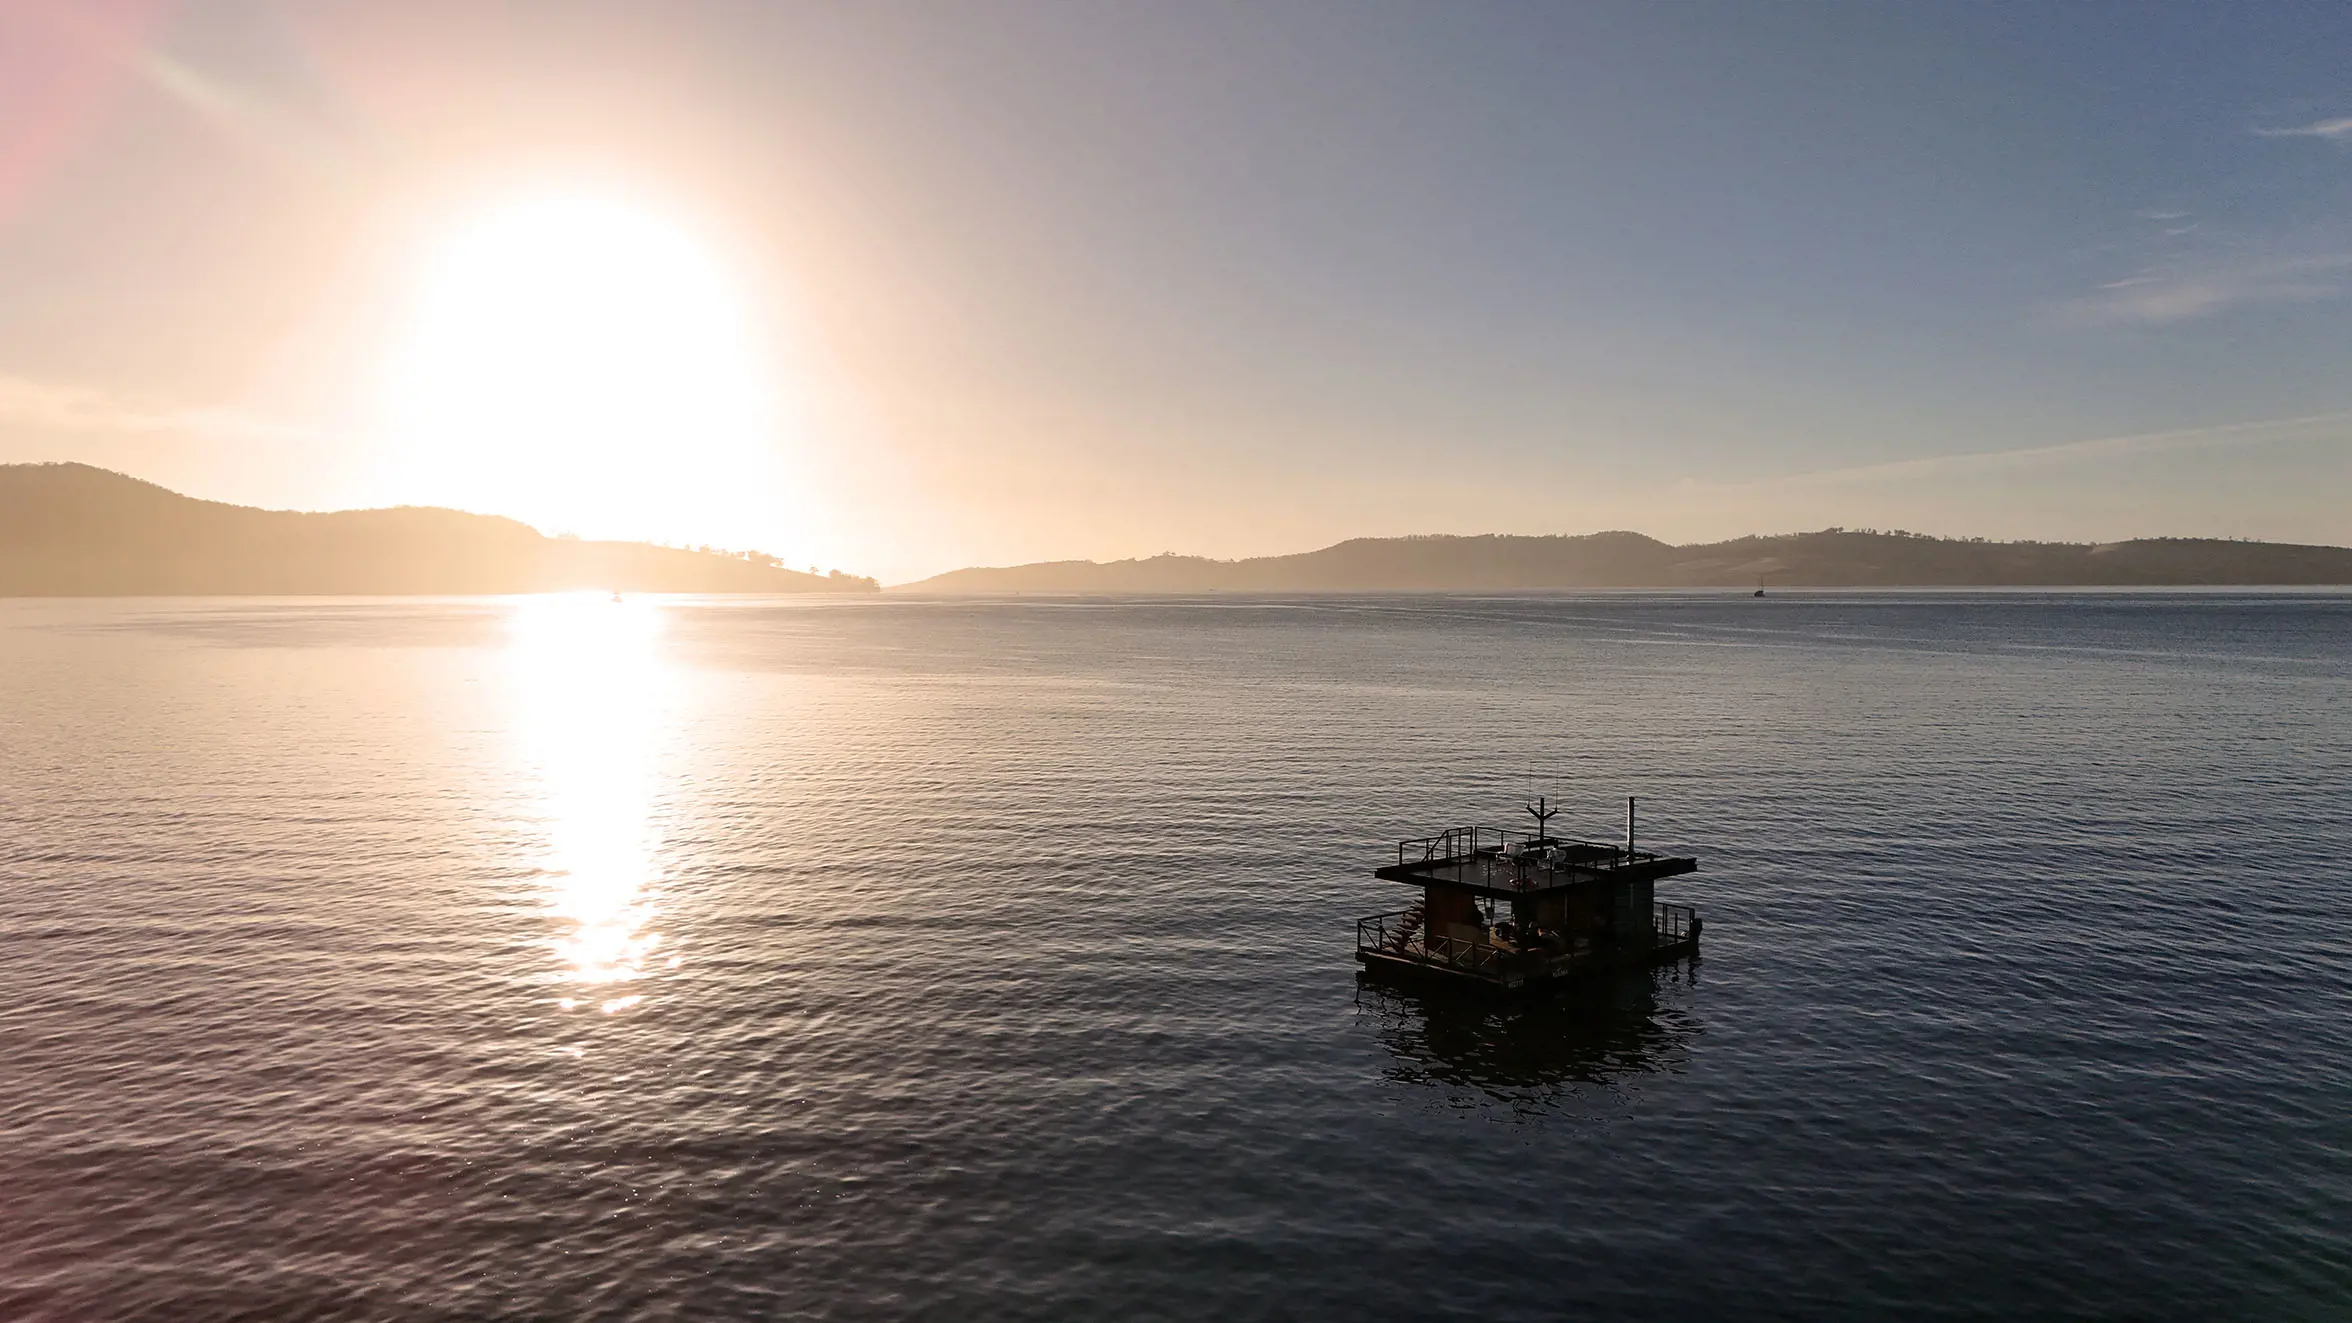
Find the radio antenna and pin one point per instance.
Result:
(1542, 812)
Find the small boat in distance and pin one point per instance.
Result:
(1569, 908)
(1759, 592)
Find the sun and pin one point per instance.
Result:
(585, 364)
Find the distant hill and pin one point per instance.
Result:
(1833, 558)
(74, 530)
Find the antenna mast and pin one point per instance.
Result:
(1543, 813)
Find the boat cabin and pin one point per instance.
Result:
(1512, 909)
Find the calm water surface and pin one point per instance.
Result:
(687, 959)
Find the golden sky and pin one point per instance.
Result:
(903, 288)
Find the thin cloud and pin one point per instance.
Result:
(2259, 432)
(25, 402)
(2186, 292)
(267, 127)
(246, 119)
(2333, 130)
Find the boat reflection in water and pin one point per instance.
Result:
(1533, 1053)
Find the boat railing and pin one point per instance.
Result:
(1390, 931)
(1675, 924)
(1401, 933)
(1461, 845)
(1404, 934)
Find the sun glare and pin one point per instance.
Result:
(588, 366)
(590, 693)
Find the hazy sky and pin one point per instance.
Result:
(904, 288)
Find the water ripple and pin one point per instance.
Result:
(741, 959)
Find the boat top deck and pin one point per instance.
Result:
(1493, 861)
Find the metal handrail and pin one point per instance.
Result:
(1673, 923)
(1670, 925)
(1373, 933)
(1376, 925)
(1460, 844)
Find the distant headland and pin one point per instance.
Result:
(1831, 558)
(75, 530)
(70, 530)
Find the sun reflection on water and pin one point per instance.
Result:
(590, 688)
